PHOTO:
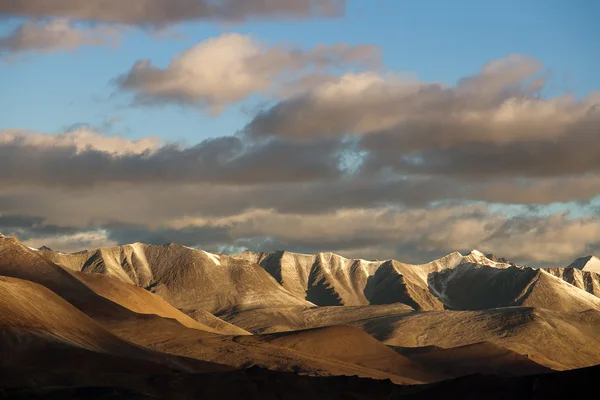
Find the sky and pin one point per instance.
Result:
(373, 129)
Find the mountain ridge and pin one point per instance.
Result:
(288, 279)
(172, 307)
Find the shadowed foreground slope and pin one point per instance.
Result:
(40, 329)
(479, 358)
(261, 384)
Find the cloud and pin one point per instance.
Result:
(160, 12)
(230, 68)
(84, 158)
(228, 174)
(72, 243)
(369, 102)
(367, 164)
(492, 124)
(579, 188)
(55, 35)
(410, 235)
(552, 240)
(549, 239)
(79, 140)
(218, 217)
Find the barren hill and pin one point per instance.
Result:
(584, 280)
(167, 335)
(102, 298)
(327, 279)
(347, 344)
(476, 287)
(271, 320)
(322, 314)
(558, 340)
(237, 283)
(37, 327)
(187, 278)
(142, 301)
(478, 358)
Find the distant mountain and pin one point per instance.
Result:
(327, 279)
(588, 264)
(584, 280)
(135, 316)
(188, 279)
(493, 257)
(104, 299)
(249, 280)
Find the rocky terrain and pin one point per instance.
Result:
(168, 321)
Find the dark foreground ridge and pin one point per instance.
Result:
(257, 383)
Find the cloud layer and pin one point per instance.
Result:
(491, 124)
(160, 12)
(371, 164)
(55, 35)
(84, 159)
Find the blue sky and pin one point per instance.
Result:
(437, 40)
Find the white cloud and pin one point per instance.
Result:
(499, 105)
(81, 139)
(230, 68)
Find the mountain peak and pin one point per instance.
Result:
(478, 253)
(587, 263)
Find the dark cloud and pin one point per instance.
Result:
(438, 148)
(56, 35)
(580, 188)
(28, 227)
(220, 160)
(204, 236)
(160, 12)
(384, 232)
(493, 124)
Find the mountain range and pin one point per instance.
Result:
(138, 317)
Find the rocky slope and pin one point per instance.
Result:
(587, 264)
(324, 315)
(584, 274)
(187, 278)
(557, 340)
(478, 358)
(249, 281)
(38, 327)
(104, 299)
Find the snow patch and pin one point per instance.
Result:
(477, 253)
(593, 265)
(214, 257)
